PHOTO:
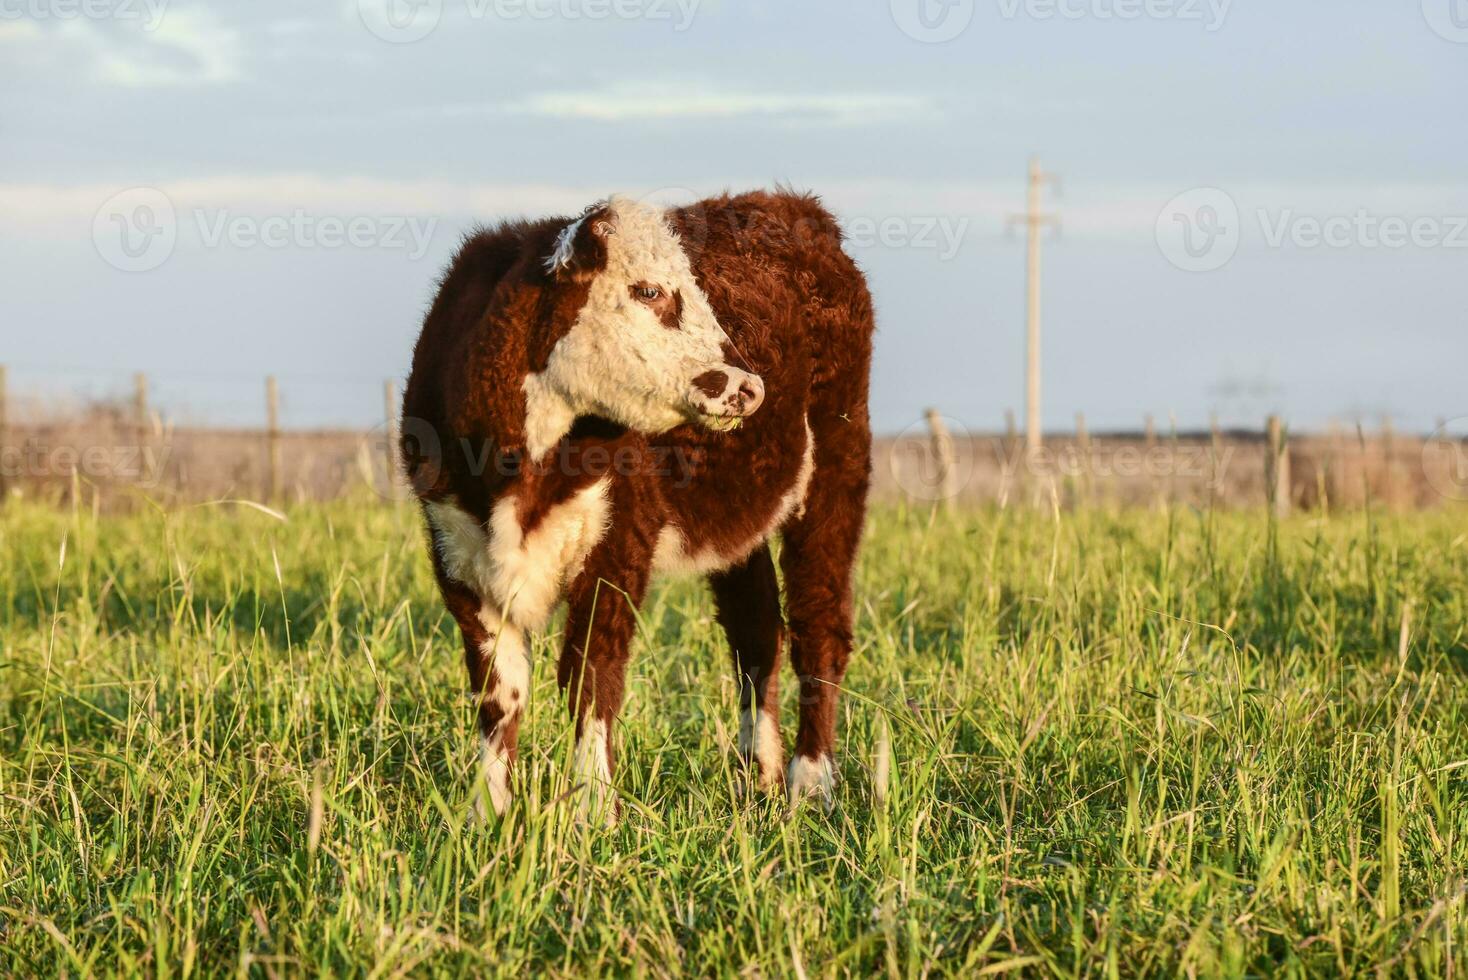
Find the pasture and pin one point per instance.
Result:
(1088, 743)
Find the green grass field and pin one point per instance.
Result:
(1120, 744)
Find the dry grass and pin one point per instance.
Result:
(101, 453)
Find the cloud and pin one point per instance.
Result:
(18, 30)
(648, 101)
(290, 26)
(187, 47)
(158, 48)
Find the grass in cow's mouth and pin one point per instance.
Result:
(722, 423)
(233, 745)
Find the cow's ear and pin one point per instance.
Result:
(581, 250)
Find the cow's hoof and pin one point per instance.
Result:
(761, 749)
(811, 779)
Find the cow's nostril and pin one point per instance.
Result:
(751, 393)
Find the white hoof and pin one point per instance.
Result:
(759, 742)
(494, 766)
(811, 777)
(593, 769)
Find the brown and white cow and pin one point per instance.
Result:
(597, 400)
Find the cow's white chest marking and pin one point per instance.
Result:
(523, 573)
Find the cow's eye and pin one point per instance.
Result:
(647, 293)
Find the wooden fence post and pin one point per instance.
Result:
(140, 403)
(1083, 454)
(1215, 437)
(141, 422)
(1276, 467)
(272, 437)
(1172, 456)
(4, 431)
(1388, 461)
(390, 412)
(1008, 458)
(1330, 470)
(943, 456)
(1149, 454)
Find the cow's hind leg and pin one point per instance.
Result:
(818, 555)
(499, 679)
(747, 598)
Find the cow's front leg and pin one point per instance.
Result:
(499, 679)
(600, 626)
(505, 666)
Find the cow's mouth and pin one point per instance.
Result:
(719, 423)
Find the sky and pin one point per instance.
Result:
(1262, 204)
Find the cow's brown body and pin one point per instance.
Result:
(797, 313)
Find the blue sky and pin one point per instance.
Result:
(315, 164)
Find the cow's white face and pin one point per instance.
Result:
(645, 349)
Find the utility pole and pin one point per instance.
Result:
(1034, 221)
